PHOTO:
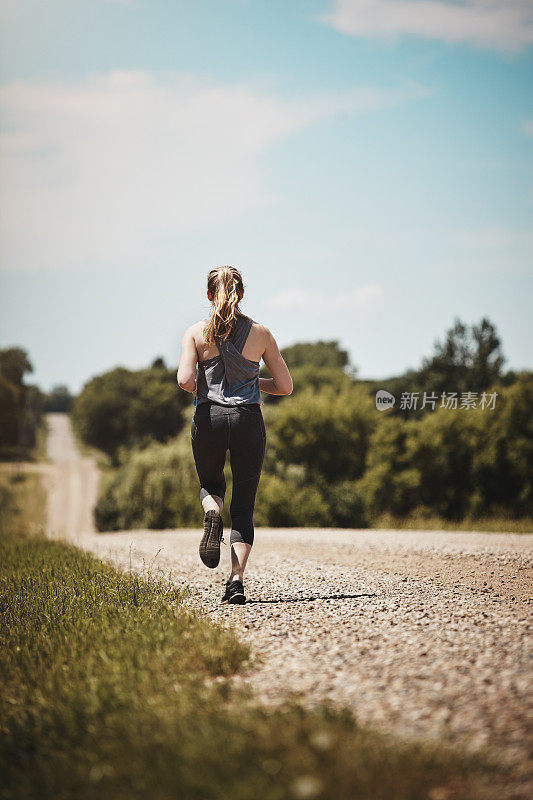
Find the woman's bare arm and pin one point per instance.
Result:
(281, 381)
(186, 375)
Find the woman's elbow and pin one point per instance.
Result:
(185, 383)
(287, 389)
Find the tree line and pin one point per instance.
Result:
(22, 405)
(332, 458)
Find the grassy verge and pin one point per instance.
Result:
(22, 503)
(501, 524)
(38, 452)
(112, 688)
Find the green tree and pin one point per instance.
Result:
(32, 413)
(59, 399)
(455, 464)
(313, 364)
(327, 432)
(14, 363)
(390, 482)
(288, 500)
(318, 378)
(20, 405)
(420, 465)
(440, 448)
(9, 412)
(124, 408)
(503, 460)
(469, 359)
(156, 487)
(315, 354)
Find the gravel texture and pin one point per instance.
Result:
(420, 633)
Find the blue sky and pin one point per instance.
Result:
(367, 164)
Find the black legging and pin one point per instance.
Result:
(241, 430)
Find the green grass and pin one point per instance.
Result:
(494, 524)
(112, 688)
(22, 502)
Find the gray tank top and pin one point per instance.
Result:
(229, 378)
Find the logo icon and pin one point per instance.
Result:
(384, 400)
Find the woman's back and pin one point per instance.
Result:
(228, 377)
(253, 347)
(259, 344)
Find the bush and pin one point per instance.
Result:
(156, 487)
(326, 432)
(126, 409)
(333, 460)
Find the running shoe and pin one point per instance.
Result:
(234, 593)
(210, 545)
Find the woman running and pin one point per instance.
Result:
(219, 364)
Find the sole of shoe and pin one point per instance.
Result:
(209, 548)
(237, 599)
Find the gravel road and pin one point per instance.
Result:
(420, 633)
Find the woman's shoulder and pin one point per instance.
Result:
(196, 330)
(261, 328)
(199, 326)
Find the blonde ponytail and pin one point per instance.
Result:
(225, 285)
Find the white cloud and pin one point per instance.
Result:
(363, 299)
(94, 171)
(491, 24)
(528, 127)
